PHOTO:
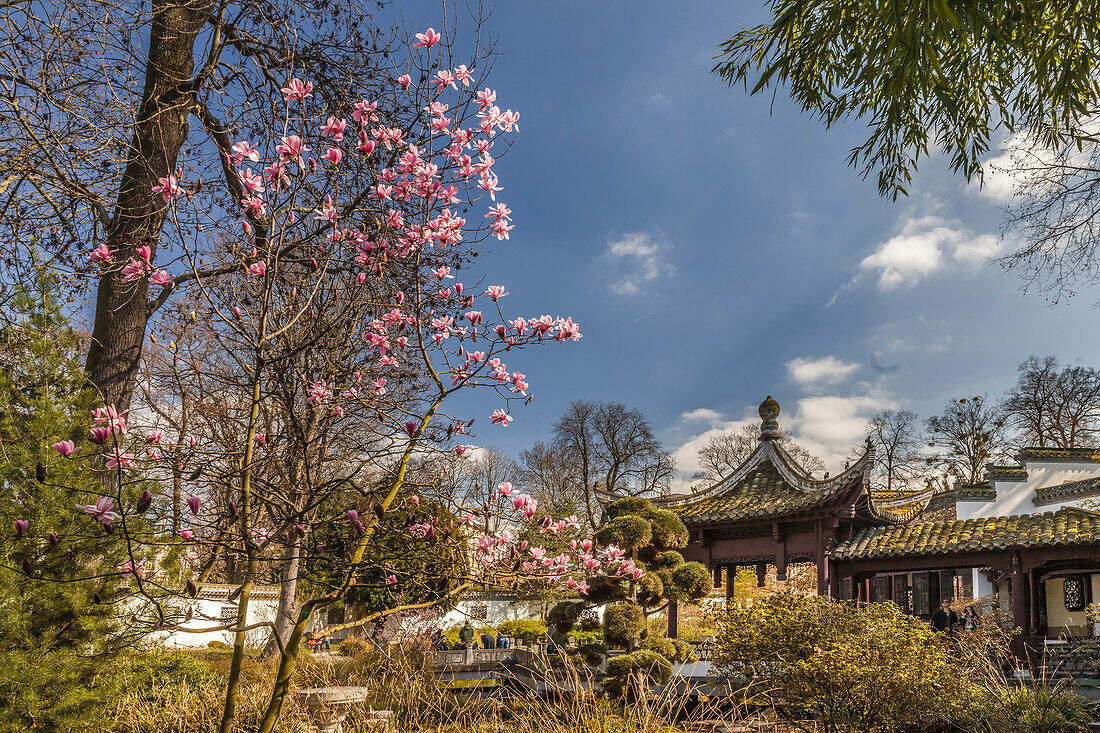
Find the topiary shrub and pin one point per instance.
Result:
(685, 652)
(622, 623)
(661, 645)
(629, 505)
(564, 615)
(667, 529)
(666, 560)
(691, 582)
(528, 630)
(593, 654)
(633, 530)
(650, 589)
(643, 665)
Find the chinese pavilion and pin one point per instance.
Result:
(870, 547)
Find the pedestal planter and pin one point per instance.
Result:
(328, 706)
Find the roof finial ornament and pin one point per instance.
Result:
(769, 427)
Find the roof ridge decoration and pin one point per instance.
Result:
(1067, 491)
(772, 452)
(1037, 453)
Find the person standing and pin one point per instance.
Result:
(466, 635)
(969, 619)
(944, 620)
(504, 642)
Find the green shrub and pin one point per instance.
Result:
(153, 672)
(649, 589)
(594, 653)
(564, 614)
(685, 652)
(57, 690)
(871, 668)
(622, 623)
(661, 645)
(586, 637)
(691, 582)
(628, 505)
(1047, 709)
(649, 665)
(528, 630)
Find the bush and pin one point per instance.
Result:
(871, 668)
(564, 614)
(691, 582)
(528, 630)
(650, 589)
(56, 691)
(622, 622)
(685, 652)
(155, 671)
(661, 645)
(593, 654)
(1047, 709)
(651, 666)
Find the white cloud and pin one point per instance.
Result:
(922, 247)
(826, 370)
(637, 259)
(828, 426)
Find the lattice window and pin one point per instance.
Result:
(1074, 591)
(479, 611)
(229, 615)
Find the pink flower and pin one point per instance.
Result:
(110, 417)
(65, 447)
(101, 509)
(129, 568)
(168, 188)
(260, 438)
(21, 527)
(334, 128)
(568, 331)
(404, 80)
(496, 292)
(101, 253)
(117, 459)
(250, 181)
(500, 416)
(100, 434)
(297, 90)
(410, 427)
(332, 155)
(427, 39)
(161, 278)
(193, 503)
(290, 149)
(506, 489)
(134, 269)
(391, 579)
(462, 74)
(244, 151)
(258, 268)
(186, 534)
(364, 112)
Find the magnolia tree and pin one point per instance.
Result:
(338, 329)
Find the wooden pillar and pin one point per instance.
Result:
(781, 560)
(822, 561)
(672, 620)
(853, 588)
(1020, 607)
(731, 583)
(1036, 594)
(761, 574)
(717, 570)
(834, 584)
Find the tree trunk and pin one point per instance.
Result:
(160, 130)
(287, 612)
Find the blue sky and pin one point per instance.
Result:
(715, 248)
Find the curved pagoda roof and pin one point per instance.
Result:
(771, 484)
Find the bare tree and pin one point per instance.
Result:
(551, 475)
(969, 434)
(899, 461)
(1052, 407)
(614, 447)
(724, 453)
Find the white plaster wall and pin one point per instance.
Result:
(499, 611)
(1015, 497)
(206, 613)
(1059, 620)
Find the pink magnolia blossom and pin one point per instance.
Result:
(193, 503)
(334, 128)
(391, 579)
(129, 568)
(134, 269)
(65, 447)
(117, 459)
(427, 39)
(168, 188)
(496, 292)
(258, 268)
(21, 527)
(102, 509)
(500, 416)
(244, 151)
(161, 278)
(111, 418)
(332, 155)
(410, 427)
(186, 534)
(404, 80)
(101, 254)
(296, 90)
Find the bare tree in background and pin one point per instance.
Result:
(550, 475)
(724, 453)
(969, 434)
(1055, 215)
(896, 437)
(613, 446)
(1052, 407)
